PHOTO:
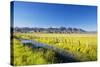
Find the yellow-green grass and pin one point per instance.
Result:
(23, 55)
(81, 46)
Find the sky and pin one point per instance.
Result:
(32, 14)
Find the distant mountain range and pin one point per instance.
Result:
(49, 30)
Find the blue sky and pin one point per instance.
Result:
(29, 14)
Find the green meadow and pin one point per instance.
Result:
(82, 46)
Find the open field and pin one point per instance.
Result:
(82, 46)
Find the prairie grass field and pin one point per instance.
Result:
(82, 46)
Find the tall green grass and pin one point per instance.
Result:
(25, 55)
(81, 46)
